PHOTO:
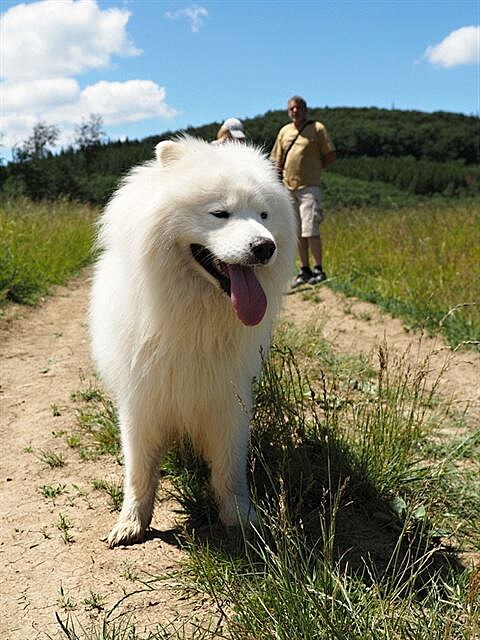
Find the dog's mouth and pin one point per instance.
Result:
(238, 281)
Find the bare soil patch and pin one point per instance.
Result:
(44, 352)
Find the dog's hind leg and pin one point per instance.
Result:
(142, 456)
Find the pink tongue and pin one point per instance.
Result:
(246, 293)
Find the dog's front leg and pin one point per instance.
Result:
(228, 461)
(141, 459)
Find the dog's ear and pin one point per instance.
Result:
(168, 151)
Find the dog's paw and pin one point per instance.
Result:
(238, 512)
(125, 532)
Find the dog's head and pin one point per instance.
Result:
(232, 219)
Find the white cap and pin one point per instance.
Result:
(235, 127)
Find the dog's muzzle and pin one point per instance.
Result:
(239, 280)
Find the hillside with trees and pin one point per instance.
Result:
(384, 156)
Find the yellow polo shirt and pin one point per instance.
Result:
(304, 160)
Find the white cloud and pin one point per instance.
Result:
(194, 15)
(16, 128)
(38, 96)
(61, 101)
(459, 47)
(117, 103)
(62, 37)
(44, 45)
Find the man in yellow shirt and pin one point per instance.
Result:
(302, 150)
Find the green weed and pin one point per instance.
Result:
(50, 491)
(55, 410)
(97, 422)
(52, 459)
(114, 491)
(122, 629)
(65, 602)
(94, 601)
(64, 525)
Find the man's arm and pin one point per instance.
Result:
(277, 153)
(325, 146)
(328, 159)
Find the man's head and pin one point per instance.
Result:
(297, 110)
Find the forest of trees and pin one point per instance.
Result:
(414, 152)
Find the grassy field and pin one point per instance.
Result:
(421, 263)
(41, 245)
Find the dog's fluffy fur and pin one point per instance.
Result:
(197, 247)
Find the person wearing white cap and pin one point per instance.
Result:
(231, 130)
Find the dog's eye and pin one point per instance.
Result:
(220, 214)
(264, 215)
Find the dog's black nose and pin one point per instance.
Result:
(262, 250)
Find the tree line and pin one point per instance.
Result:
(416, 152)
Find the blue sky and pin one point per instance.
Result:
(147, 66)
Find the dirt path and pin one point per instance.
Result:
(43, 354)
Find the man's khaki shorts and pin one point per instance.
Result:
(306, 202)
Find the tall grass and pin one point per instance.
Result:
(41, 244)
(348, 545)
(363, 510)
(421, 263)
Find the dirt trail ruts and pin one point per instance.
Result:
(44, 352)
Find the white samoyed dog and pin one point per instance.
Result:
(197, 247)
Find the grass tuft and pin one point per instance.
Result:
(51, 491)
(97, 420)
(113, 490)
(52, 459)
